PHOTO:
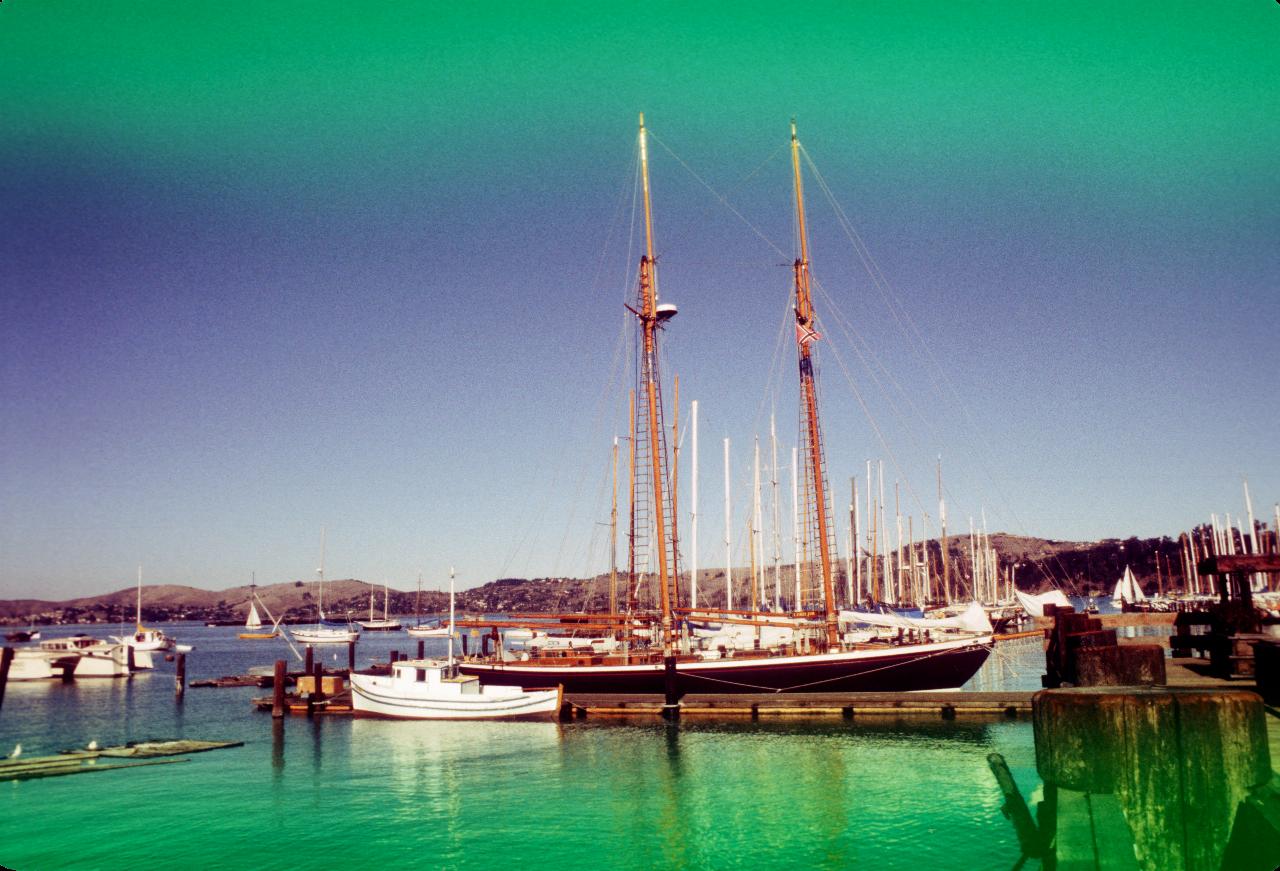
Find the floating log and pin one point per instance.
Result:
(1178, 761)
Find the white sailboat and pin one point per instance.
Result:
(387, 623)
(428, 689)
(1127, 591)
(253, 622)
(143, 638)
(420, 631)
(321, 634)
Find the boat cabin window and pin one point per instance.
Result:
(422, 675)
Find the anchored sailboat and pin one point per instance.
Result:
(321, 634)
(817, 657)
(387, 623)
(253, 622)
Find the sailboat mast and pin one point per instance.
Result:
(795, 524)
(805, 336)
(138, 618)
(631, 536)
(693, 506)
(320, 572)
(777, 535)
(649, 324)
(613, 536)
(942, 543)
(675, 493)
(451, 619)
(757, 543)
(728, 534)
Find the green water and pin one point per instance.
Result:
(316, 793)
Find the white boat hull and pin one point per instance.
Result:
(388, 696)
(428, 631)
(324, 636)
(30, 663)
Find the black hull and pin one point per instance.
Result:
(905, 669)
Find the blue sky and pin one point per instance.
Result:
(288, 269)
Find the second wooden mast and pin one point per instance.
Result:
(651, 315)
(806, 335)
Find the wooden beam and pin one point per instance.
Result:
(1249, 562)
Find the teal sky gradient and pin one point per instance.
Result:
(268, 267)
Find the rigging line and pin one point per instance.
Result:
(908, 327)
(855, 340)
(877, 276)
(722, 199)
(875, 426)
(868, 352)
(900, 314)
(616, 221)
(773, 381)
(535, 519)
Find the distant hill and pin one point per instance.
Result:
(1076, 567)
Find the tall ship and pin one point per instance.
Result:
(667, 645)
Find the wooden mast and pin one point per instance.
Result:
(942, 543)
(613, 536)
(649, 324)
(805, 336)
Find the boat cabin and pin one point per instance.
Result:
(434, 675)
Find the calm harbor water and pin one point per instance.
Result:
(315, 793)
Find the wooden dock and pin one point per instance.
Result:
(755, 706)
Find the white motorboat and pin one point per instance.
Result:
(98, 658)
(32, 663)
(426, 689)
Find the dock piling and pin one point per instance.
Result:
(277, 690)
(351, 656)
(1173, 765)
(6, 657)
(180, 677)
(422, 649)
(308, 660)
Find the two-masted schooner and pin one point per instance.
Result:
(820, 658)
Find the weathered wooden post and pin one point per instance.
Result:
(1167, 767)
(422, 649)
(318, 692)
(180, 677)
(351, 656)
(277, 689)
(6, 658)
(308, 660)
(394, 657)
(671, 703)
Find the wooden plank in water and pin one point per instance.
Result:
(78, 767)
